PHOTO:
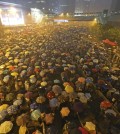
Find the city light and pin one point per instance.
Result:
(62, 14)
(13, 10)
(67, 14)
(11, 16)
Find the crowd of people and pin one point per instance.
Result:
(54, 80)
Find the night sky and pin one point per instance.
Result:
(100, 5)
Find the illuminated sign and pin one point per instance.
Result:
(11, 16)
(37, 15)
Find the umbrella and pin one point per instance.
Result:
(6, 79)
(105, 68)
(69, 89)
(78, 107)
(49, 118)
(65, 84)
(14, 74)
(81, 79)
(65, 111)
(50, 95)
(40, 99)
(17, 102)
(90, 126)
(9, 97)
(33, 79)
(72, 96)
(111, 111)
(56, 89)
(12, 109)
(4, 107)
(2, 66)
(53, 102)
(33, 106)
(6, 127)
(56, 81)
(95, 60)
(115, 69)
(101, 82)
(35, 115)
(43, 84)
(89, 79)
(3, 114)
(28, 95)
(22, 130)
(22, 119)
(105, 104)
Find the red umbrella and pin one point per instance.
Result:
(105, 104)
(107, 41)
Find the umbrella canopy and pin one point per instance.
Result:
(9, 97)
(17, 102)
(35, 115)
(90, 126)
(81, 79)
(50, 95)
(53, 102)
(43, 84)
(105, 104)
(3, 114)
(12, 109)
(14, 74)
(78, 107)
(49, 118)
(29, 95)
(22, 120)
(4, 107)
(40, 99)
(56, 89)
(6, 127)
(69, 89)
(65, 111)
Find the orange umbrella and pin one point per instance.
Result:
(81, 79)
(65, 111)
(49, 118)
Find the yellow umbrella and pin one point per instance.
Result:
(14, 74)
(3, 107)
(7, 63)
(69, 89)
(32, 76)
(8, 50)
(65, 111)
(6, 127)
(7, 54)
(24, 66)
(43, 84)
(90, 126)
(16, 60)
(2, 66)
(105, 68)
(22, 130)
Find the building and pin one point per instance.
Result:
(115, 6)
(11, 14)
(66, 6)
(91, 6)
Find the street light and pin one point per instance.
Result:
(67, 14)
(62, 14)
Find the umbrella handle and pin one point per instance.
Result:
(79, 119)
(43, 127)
